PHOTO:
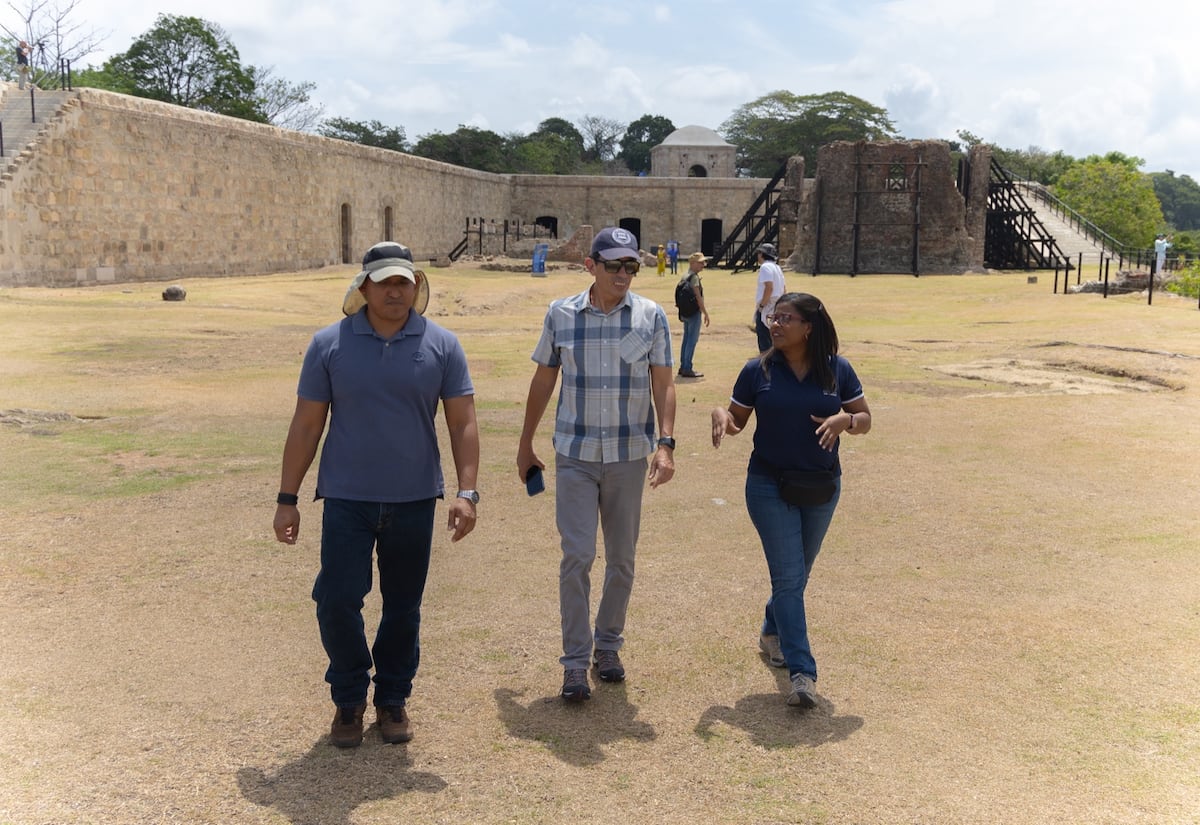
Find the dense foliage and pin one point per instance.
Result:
(769, 130)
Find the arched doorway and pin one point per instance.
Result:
(633, 225)
(711, 235)
(549, 223)
(347, 254)
(697, 171)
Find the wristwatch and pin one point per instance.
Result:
(470, 495)
(667, 441)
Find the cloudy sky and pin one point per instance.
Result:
(1081, 76)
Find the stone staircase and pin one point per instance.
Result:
(23, 117)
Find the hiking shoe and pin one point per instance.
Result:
(347, 728)
(804, 692)
(770, 646)
(394, 724)
(575, 685)
(609, 667)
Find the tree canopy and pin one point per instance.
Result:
(640, 137)
(189, 62)
(366, 132)
(769, 130)
(192, 62)
(467, 146)
(1180, 199)
(1111, 193)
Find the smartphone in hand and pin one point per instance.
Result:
(534, 483)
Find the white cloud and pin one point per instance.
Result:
(1118, 78)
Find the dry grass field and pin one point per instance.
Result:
(1006, 611)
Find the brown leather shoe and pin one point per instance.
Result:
(347, 728)
(394, 724)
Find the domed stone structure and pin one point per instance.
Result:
(693, 152)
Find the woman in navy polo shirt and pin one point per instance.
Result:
(805, 396)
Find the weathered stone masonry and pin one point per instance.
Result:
(127, 189)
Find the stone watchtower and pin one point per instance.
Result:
(693, 152)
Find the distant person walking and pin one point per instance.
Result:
(662, 260)
(1161, 244)
(673, 256)
(770, 286)
(23, 52)
(691, 320)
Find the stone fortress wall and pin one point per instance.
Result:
(120, 189)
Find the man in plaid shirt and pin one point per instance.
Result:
(613, 348)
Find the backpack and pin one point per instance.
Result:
(685, 298)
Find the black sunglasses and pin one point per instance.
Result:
(613, 267)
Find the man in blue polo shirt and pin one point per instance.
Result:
(613, 348)
(377, 377)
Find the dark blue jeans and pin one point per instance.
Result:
(401, 536)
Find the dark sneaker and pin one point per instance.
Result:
(575, 685)
(347, 728)
(770, 646)
(609, 667)
(690, 374)
(804, 692)
(394, 724)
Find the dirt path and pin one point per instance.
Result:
(1006, 612)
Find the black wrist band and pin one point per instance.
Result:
(287, 498)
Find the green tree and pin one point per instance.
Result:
(640, 137)
(563, 129)
(769, 130)
(366, 132)
(467, 146)
(189, 62)
(1180, 199)
(542, 154)
(1111, 193)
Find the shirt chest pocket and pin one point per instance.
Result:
(635, 347)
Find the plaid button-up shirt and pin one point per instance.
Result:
(605, 411)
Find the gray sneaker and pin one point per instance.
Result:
(770, 646)
(575, 685)
(609, 667)
(804, 692)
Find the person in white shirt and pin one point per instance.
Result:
(770, 287)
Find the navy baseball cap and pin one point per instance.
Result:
(613, 242)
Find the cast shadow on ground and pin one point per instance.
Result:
(574, 733)
(327, 784)
(772, 724)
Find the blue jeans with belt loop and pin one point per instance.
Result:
(791, 538)
(401, 536)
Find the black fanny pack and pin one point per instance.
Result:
(806, 488)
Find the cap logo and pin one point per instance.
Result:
(622, 236)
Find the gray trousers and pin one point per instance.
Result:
(591, 494)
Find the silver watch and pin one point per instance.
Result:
(470, 495)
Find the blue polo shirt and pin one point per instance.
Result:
(381, 443)
(784, 435)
